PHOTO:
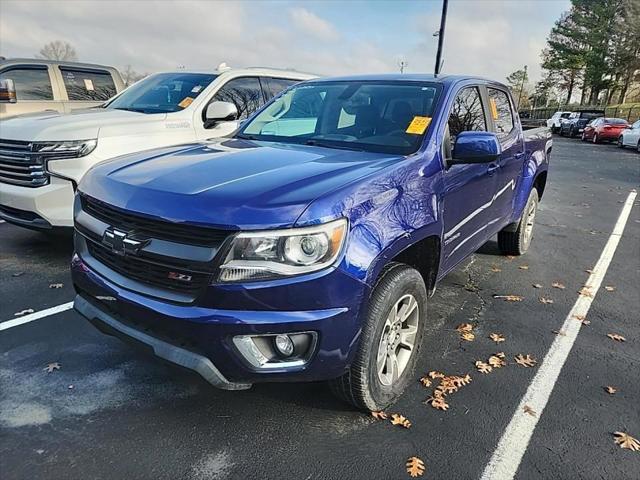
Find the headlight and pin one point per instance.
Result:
(273, 254)
(66, 149)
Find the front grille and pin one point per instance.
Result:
(147, 227)
(20, 166)
(150, 273)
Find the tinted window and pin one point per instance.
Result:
(31, 83)
(565, 115)
(467, 113)
(163, 92)
(244, 92)
(273, 86)
(364, 115)
(88, 85)
(501, 111)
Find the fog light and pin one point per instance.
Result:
(284, 345)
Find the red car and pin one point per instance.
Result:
(604, 129)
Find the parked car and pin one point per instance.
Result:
(554, 122)
(604, 129)
(630, 136)
(304, 247)
(574, 125)
(42, 159)
(32, 85)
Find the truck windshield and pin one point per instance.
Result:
(376, 116)
(162, 93)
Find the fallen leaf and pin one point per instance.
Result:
(510, 257)
(438, 402)
(464, 327)
(24, 312)
(425, 381)
(56, 285)
(496, 337)
(589, 271)
(495, 269)
(582, 318)
(627, 441)
(586, 292)
(397, 419)
(529, 410)
(496, 362)
(527, 361)
(17, 274)
(434, 374)
(51, 367)
(500, 354)
(524, 267)
(379, 415)
(483, 367)
(559, 332)
(609, 288)
(537, 285)
(415, 467)
(545, 300)
(468, 336)
(70, 387)
(610, 390)
(510, 298)
(558, 285)
(616, 337)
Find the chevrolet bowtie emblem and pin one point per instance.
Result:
(121, 243)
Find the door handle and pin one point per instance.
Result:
(492, 168)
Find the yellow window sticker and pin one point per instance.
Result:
(186, 101)
(494, 108)
(418, 125)
(88, 84)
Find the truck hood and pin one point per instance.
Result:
(77, 125)
(229, 183)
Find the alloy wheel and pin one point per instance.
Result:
(528, 226)
(398, 339)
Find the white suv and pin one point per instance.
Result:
(630, 137)
(43, 157)
(555, 121)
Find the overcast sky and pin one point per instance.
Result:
(483, 37)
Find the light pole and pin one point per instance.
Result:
(522, 86)
(440, 34)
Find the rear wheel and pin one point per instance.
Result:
(572, 133)
(516, 242)
(391, 336)
(620, 143)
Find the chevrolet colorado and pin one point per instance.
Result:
(305, 246)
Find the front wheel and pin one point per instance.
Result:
(516, 242)
(391, 336)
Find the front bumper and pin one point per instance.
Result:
(204, 334)
(39, 208)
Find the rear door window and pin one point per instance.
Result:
(88, 85)
(501, 111)
(244, 92)
(32, 83)
(273, 86)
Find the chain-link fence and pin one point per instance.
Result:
(629, 112)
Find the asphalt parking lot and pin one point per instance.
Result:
(111, 412)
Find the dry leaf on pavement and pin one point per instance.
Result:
(510, 298)
(23, 312)
(415, 467)
(56, 285)
(438, 402)
(558, 285)
(610, 390)
(483, 367)
(468, 336)
(397, 419)
(586, 292)
(379, 415)
(527, 361)
(545, 300)
(51, 367)
(496, 337)
(425, 381)
(589, 271)
(537, 285)
(559, 332)
(609, 288)
(529, 410)
(496, 361)
(434, 374)
(495, 269)
(616, 337)
(464, 327)
(627, 441)
(524, 267)
(582, 318)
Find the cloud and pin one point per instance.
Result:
(312, 24)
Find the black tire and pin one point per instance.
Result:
(638, 148)
(572, 133)
(516, 241)
(554, 129)
(360, 385)
(620, 144)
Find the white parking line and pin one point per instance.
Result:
(507, 457)
(14, 322)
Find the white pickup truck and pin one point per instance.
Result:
(44, 156)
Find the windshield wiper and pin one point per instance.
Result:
(244, 137)
(130, 109)
(341, 146)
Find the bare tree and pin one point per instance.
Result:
(130, 76)
(58, 50)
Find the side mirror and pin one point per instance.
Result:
(476, 147)
(8, 91)
(220, 112)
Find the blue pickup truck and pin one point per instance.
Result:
(305, 246)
